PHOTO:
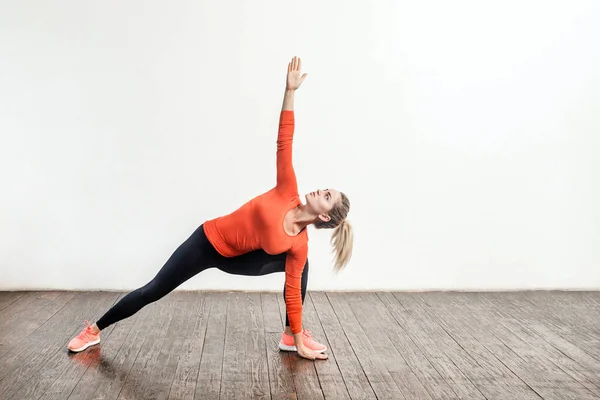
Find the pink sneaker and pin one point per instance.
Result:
(287, 342)
(85, 339)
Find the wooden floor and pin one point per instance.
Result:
(202, 345)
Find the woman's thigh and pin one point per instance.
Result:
(254, 263)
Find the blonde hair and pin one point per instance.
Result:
(342, 238)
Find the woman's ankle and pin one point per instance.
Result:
(288, 330)
(95, 329)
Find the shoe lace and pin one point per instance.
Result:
(85, 334)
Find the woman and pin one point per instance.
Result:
(265, 235)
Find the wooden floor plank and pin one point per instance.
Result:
(18, 313)
(374, 367)
(21, 309)
(471, 363)
(7, 298)
(409, 384)
(537, 372)
(18, 308)
(142, 382)
(116, 361)
(355, 378)
(165, 366)
(186, 374)
(40, 366)
(233, 354)
(428, 340)
(414, 357)
(502, 382)
(255, 349)
(235, 371)
(328, 372)
(78, 363)
(16, 333)
(544, 345)
(208, 383)
(222, 345)
(104, 362)
(570, 316)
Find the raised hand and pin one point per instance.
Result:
(294, 79)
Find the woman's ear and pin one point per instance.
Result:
(324, 217)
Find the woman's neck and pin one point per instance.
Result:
(299, 218)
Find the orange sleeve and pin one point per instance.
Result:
(286, 177)
(294, 265)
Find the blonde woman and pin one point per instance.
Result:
(267, 234)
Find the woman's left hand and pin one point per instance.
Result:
(294, 79)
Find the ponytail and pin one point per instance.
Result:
(342, 237)
(342, 240)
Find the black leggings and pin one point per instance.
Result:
(195, 255)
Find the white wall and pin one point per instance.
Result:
(466, 135)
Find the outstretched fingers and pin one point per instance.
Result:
(295, 64)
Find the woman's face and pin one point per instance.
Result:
(323, 201)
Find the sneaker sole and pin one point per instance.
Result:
(284, 347)
(85, 347)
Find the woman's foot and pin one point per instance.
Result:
(287, 342)
(86, 338)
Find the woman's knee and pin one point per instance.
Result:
(152, 292)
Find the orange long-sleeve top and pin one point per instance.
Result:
(258, 224)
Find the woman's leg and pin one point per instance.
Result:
(260, 263)
(190, 258)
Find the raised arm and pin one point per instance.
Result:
(286, 177)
